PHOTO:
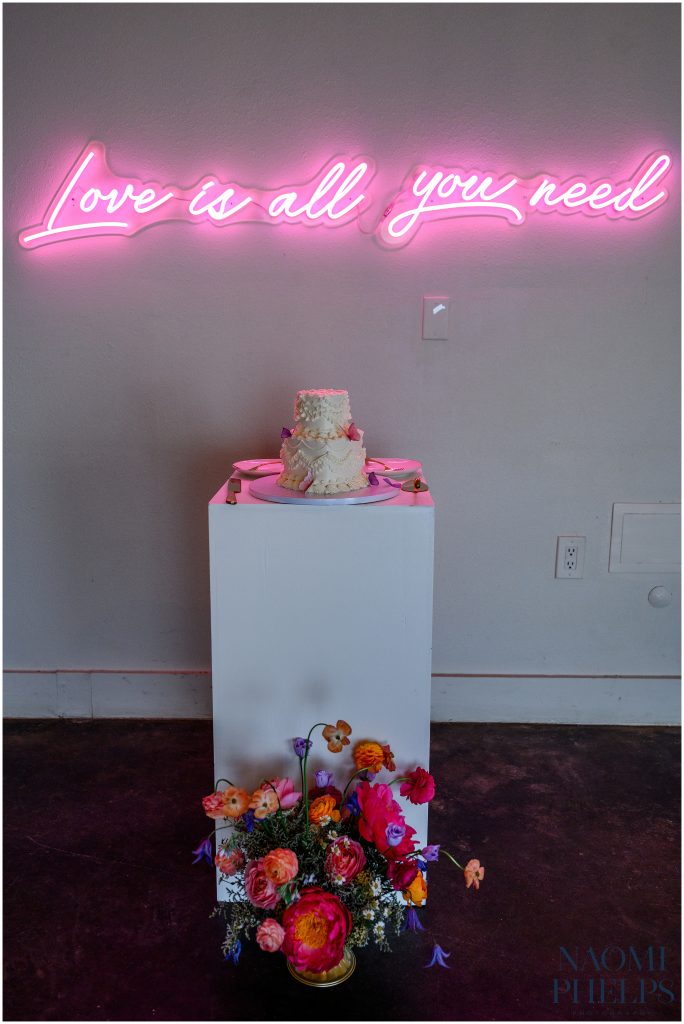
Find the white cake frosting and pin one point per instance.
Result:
(320, 457)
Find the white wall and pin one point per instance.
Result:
(137, 371)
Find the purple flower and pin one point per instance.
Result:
(285, 432)
(352, 803)
(438, 956)
(395, 833)
(422, 866)
(412, 922)
(391, 482)
(324, 778)
(301, 745)
(248, 818)
(373, 480)
(234, 952)
(431, 852)
(367, 776)
(204, 850)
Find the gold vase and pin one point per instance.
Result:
(325, 979)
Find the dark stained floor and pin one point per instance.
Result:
(578, 828)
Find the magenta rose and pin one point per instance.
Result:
(260, 890)
(344, 859)
(316, 929)
(270, 935)
(418, 787)
(401, 873)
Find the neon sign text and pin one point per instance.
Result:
(433, 193)
(92, 200)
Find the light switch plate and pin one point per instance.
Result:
(435, 318)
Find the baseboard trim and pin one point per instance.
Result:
(186, 693)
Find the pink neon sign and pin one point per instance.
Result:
(92, 200)
(434, 193)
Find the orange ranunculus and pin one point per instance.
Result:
(417, 891)
(336, 735)
(263, 803)
(322, 810)
(236, 801)
(369, 755)
(474, 873)
(281, 866)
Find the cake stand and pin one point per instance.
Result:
(267, 489)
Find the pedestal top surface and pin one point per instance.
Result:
(403, 499)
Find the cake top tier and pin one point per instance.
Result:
(322, 413)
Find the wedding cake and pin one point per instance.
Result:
(324, 454)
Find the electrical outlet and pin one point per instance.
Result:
(570, 558)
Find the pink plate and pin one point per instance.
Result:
(394, 469)
(258, 467)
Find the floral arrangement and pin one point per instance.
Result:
(315, 871)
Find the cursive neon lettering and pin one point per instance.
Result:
(91, 194)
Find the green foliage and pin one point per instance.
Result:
(370, 898)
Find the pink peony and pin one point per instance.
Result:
(259, 888)
(316, 929)
(281, 866)
(344, 859)
(229, 863)
(379, 810)
(270, 935)
(286, 792)
(419, 786)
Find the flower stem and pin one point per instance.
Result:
(359, 772)
(221, 780)
(452, 859)
(306, 787)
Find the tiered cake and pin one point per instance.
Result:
(325, 453)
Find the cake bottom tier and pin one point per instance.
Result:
(335, 465)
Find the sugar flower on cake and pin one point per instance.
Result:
(418, 786)
(259, 888)
(336, 736)
(316, 929)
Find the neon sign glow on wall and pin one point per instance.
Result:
(92, 200)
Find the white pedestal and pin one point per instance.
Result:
(319, 614)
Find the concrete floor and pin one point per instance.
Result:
(578, 827)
